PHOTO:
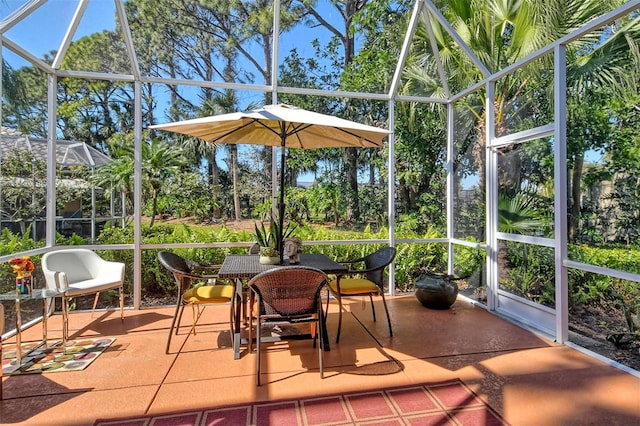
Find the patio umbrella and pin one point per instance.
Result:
(280, 125)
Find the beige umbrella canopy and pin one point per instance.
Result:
(280, 125)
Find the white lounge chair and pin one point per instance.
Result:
(78, 272)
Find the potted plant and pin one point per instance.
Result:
(271, 241)
(266, 239)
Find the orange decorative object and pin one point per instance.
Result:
(22, 266)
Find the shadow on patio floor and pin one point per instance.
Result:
(525, 378)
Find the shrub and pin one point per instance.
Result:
(531, 269)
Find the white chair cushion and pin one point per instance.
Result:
(91, 286)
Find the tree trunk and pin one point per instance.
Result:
(372, 173)
(403, 194)
(154, 209)
(353, 206)
(574, 214)
(215, 184)
(233, 151)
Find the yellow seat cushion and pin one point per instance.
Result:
(350, 286)
(208, 294)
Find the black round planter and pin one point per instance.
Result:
(436, 291)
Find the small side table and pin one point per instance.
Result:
(36, 294)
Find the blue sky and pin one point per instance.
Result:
(53, 18)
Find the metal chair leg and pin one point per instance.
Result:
(173, 324)
(339, 317)
(95, 303)
(65, 318)
(373, 308)
(320, 332)
(194, 318)
(232, 314)
(122, 302)
(181, 311)
(258, 344)
(386, 310)
(250, 339)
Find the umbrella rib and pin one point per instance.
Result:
(296, 129)
(230, 132)
(357, 136)
(259, 121)
(303, 126)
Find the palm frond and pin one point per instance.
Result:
(517, 215)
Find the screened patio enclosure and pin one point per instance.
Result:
(69, 154)
(507, 129)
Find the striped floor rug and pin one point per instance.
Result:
(449, 403)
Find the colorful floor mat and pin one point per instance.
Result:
(36, 358)
(426, 404)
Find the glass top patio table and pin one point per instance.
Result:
(248, 266)
(36, 294)
(243, 266)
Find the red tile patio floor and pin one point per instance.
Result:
(527, 379)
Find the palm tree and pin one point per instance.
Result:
(117, 175)
(502, 32)
(222, 103)
(160, 161)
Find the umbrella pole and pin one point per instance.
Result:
(281, 204)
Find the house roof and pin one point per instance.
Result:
(68, 153)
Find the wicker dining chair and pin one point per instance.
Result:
(187, 273)
(288, 295)
(364, 282)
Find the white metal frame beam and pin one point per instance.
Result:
(560, 193)
(71, 30)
